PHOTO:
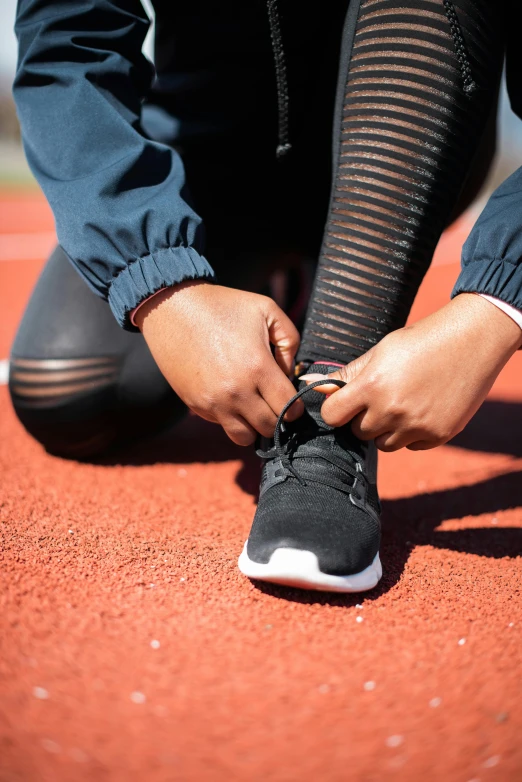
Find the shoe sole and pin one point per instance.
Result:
(297, 568)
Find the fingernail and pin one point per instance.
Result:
(312, 378)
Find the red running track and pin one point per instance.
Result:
(132, 649)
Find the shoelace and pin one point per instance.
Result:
(280, 448)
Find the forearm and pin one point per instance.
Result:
(116, 195)
(421, 384)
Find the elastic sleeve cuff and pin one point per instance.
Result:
(500, 279)
(148, 275)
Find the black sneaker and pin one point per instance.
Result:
(317, 522)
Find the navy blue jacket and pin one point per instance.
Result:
(83, 89)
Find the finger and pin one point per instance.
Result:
(422, 445)
(366, 428)
(205, 416)
(343, 406)
(392, 441)
(347, 373)
(276, 389)
(239, 430)
(261, 417)
(314, 377)
(283, 335)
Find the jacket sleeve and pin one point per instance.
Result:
(492, 254)
(118, 198)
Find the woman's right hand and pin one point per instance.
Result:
(213, 346)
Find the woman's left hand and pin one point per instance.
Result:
(421, 384)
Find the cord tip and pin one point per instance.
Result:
(282, 150)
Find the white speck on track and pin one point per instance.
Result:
(78, 755)
(394, 741)
(51, 746)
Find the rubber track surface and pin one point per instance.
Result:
(418, 680)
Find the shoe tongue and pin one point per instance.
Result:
(313, 401)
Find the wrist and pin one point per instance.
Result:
(169, 297)
(514, 313)
(490, 324)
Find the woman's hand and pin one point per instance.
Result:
(213, 346)
(421, 384)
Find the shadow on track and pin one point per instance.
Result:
(412, 521)
(407, 522)
(191, 441)
(495, 428)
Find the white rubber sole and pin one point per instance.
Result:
(293, 567)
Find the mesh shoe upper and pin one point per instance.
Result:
(318, 494)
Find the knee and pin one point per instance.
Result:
(81, 408)
(66, 404)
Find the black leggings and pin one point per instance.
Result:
(418, 79)
(78, 382)
(417, 83)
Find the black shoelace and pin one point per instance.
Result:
(283, 449)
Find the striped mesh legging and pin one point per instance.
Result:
(418, 79)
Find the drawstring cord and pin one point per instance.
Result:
(284, 145)
(281, 78)
(460, 46)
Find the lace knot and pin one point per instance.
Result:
(283, 449)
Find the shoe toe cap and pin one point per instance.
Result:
(345, 538)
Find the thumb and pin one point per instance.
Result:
(283, 336)
(347, 402)
(347, 373)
